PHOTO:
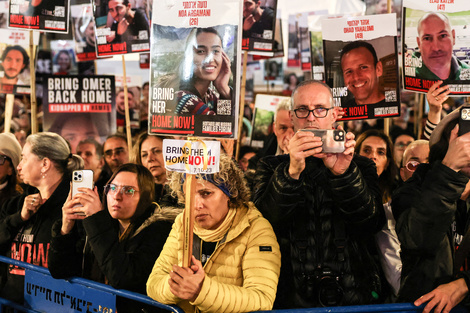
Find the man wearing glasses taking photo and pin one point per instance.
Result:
(324, 209)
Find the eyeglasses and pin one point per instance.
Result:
(117, 151)
(412, 165)
(3, 158)
(112, 189)
(319, 112)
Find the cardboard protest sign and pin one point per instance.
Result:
(440, 50)
(44, 15)
(15, 77)
(364, 74)
(122, 28)
(191, 157)
(194, 75)
(259, 22)
(83, 27)
(80, 107)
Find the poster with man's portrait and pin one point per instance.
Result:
(259, 22)
(15, 77)
(436, 45)
(44, 15)
(134, 84)
(79, 107)
(361, 65)
(194, 71)
(122, 26)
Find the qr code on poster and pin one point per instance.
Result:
(391, 96)
(59, 11)
(224, 107)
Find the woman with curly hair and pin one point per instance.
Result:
(236, 258)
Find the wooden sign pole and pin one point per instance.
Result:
(10, 101)
(126, 106)
(242, 103)
(34, 108)
(188, 219)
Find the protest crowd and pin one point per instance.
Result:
(378, 213)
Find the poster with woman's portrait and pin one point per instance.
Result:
(361, 65)
(194, 69)
(44, 15)
(63, 57)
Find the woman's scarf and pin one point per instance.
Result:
(216, 235)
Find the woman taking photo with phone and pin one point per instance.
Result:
(236, 258)
(26, 220)
(118, 239)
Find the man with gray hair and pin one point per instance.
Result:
(436, 40)
(283, 130)
(324, 208)
(415, 154)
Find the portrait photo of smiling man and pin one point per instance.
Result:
(436, 40)
(361, 72)
(435, 46)
(361, 65)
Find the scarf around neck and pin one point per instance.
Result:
(216, 235)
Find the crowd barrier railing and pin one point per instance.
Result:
(45, 294)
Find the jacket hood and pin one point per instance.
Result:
(167, 214)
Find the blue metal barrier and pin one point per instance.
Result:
(41, 275)
(75, 282)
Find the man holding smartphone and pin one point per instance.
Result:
(324, 209)
(432, 215)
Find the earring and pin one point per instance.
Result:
(43, 174)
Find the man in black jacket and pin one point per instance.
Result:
(324, 209)
(431, 209)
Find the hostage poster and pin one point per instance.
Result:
(436, 45)
(259, 22)
(122, 27)
(361, 65)
(44, 15)
(80, 107)
(194, 71)
(15, 77)
(83, 27)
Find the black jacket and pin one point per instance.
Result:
(93, 251)
(34, 236)
(425, 208)
(325, 226)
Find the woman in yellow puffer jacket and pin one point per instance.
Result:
(236, 259)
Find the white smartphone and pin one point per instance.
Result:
(81, 179)
(332, 139)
